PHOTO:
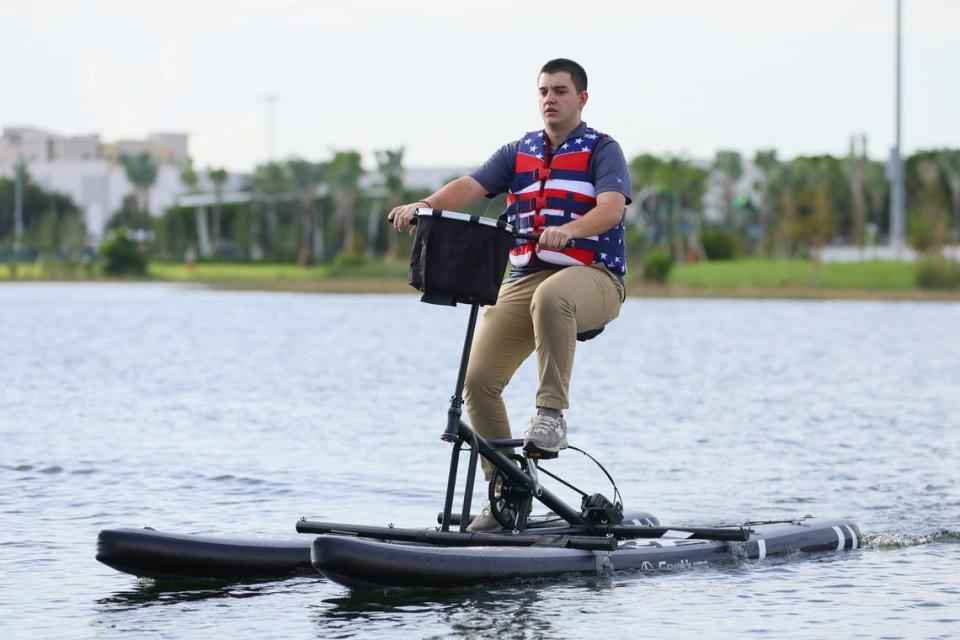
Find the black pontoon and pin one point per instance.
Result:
(596, 538)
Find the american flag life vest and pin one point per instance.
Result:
(554, 190)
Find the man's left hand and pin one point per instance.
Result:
(555, 237)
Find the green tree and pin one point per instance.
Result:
(390, 166)
(121, 255)
(929, 201)
(306, 178)
(343, 177)
(270, 184)
(141, 171)
(729, 167)
(769, 165)
(855, 167)
(218, 177)
(52, 222)
(191, 180)
(670, 195)
(949, 162)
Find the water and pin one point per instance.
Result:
(234, 413)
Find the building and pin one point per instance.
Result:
(90, 172)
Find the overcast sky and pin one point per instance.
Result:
(452, 80)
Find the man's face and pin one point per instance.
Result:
(560, 104)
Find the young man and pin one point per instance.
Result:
(566, 182)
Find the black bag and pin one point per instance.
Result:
(459, 258)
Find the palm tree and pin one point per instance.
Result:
(949, 162)
(390, 165)
(768, 164)
(218, 178)
(343, 176)
(306, 177)
(269, 184)
(141, 171)
(190, 179)
(856, 170)
(729, 165)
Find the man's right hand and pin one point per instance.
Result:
(402, 216)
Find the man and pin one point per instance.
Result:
(566, 182)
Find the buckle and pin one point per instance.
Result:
(543, 174)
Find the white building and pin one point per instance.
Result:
(89, 171)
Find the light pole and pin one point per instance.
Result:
(17, 200)
(898, 192)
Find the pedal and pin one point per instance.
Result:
(533, 451)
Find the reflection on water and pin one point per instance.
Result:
(236, 413)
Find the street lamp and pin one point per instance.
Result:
(898, 192)
(17, 199)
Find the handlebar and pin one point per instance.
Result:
(519, 235)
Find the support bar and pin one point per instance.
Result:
(458, 539)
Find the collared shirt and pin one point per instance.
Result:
(608, 171)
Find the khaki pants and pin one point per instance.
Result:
(542, 312)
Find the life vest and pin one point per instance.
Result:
(551, 190)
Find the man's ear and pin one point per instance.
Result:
(582, 99)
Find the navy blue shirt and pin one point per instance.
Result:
(607, 170)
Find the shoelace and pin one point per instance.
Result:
(544, 425)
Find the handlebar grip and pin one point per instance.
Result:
(532, 236)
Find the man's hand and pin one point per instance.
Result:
(555, 237)
(402, 216)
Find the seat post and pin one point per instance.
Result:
(455, 411)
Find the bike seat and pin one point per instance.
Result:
(583, 336)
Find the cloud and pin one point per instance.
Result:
(173, 71)
(95, 79)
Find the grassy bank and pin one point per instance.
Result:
(753, 278)
(777, 274)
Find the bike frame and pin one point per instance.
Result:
(459, 433)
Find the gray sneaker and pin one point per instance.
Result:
(485, 522)
(546, 433)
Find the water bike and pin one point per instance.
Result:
(460, 259)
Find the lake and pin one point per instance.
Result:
(235, 413)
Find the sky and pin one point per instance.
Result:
(452, 80)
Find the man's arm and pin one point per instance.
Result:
(452, 195)
(602, 218)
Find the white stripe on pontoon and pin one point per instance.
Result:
(761, 549)
(841, 540)
(853, 536)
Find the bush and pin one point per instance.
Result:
(656, 266)
(938, 274)
(718, 244)
(346, 261)
(121, 256)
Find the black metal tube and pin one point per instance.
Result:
(626, 532)
(451, 485)
(456, 402)
(509, 469)
(455, 538)
(468, 490)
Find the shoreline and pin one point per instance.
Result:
(634, 289)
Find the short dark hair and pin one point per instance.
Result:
(577, 74)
